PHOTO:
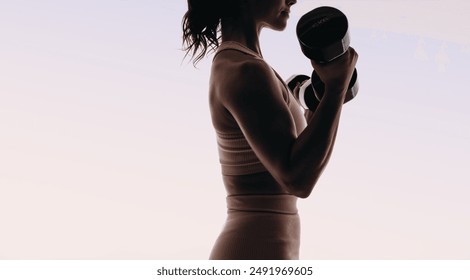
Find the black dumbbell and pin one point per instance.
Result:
(323, 36)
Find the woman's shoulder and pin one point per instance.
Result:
(237, 71)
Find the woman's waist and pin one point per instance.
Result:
(272, 203)
(250, 184)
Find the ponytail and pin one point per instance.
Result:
(201, 25)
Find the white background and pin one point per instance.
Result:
(107, 149)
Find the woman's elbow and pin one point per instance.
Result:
(301, 190)
(304, 193)
(302, 185)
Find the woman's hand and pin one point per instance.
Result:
(337, 74)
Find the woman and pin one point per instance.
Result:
(271, 152)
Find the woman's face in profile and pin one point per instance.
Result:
(272, 13)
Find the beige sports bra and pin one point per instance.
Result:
(235, 154)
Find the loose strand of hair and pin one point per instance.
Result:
(196, 43)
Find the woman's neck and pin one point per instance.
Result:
(241, 32)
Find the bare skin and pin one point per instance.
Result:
(245, 93)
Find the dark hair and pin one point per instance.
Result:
(201, 25)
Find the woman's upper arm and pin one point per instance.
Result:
(254, 97)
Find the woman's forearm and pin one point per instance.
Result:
(313, 147)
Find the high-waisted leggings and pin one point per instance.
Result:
(259, 227)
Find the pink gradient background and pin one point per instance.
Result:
(107, 149)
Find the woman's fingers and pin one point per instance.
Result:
(337, 73)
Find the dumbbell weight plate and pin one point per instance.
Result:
(306, 98)
(323, 34)
(294, 79)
